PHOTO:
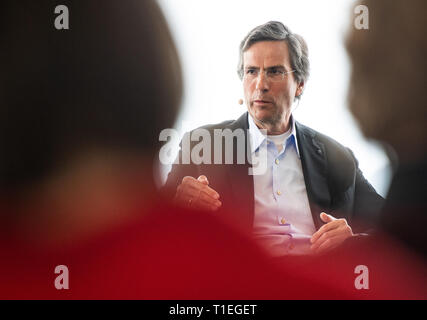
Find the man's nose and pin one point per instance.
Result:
(262, 82)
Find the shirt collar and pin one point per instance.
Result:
(257, 137)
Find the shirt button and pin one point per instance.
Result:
(277, 161)
(283, 221)
(279, 192)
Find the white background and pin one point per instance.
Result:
(208, 33)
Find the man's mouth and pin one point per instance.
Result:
(262, 101)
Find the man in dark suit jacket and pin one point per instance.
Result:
(274, 68)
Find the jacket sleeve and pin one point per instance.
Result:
(367, 202)
(178, 172)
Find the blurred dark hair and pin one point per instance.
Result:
(113, 81)
(388, 98)
(387, 92)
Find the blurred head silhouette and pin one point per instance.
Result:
(387, 90)
(81, 109)
(389, 100)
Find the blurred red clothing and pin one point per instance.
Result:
(176, 254)
(393, 270)
(169, 254)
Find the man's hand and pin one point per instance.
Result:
(196, 193)
(331, 234)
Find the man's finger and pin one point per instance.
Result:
(207, 199)
(205, 202)
(328, 226)
(196, 184)
(205, 206)
(203, 179)
(323, 229)
(325, 236)
(329, 244)
(327, 217)
(197, 194)
(210, 192)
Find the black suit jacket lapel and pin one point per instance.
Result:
(241, 183)
(314, 166)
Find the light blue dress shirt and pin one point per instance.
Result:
(283, 223)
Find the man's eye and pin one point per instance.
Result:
(274, 71)
(251, 71)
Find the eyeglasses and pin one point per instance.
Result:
(273, 74)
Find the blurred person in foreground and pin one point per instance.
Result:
(387, 96)
(81, 112)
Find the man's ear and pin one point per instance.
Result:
(300, 89)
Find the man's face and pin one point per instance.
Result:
(269, 102)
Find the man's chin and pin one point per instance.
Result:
(263, 116)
